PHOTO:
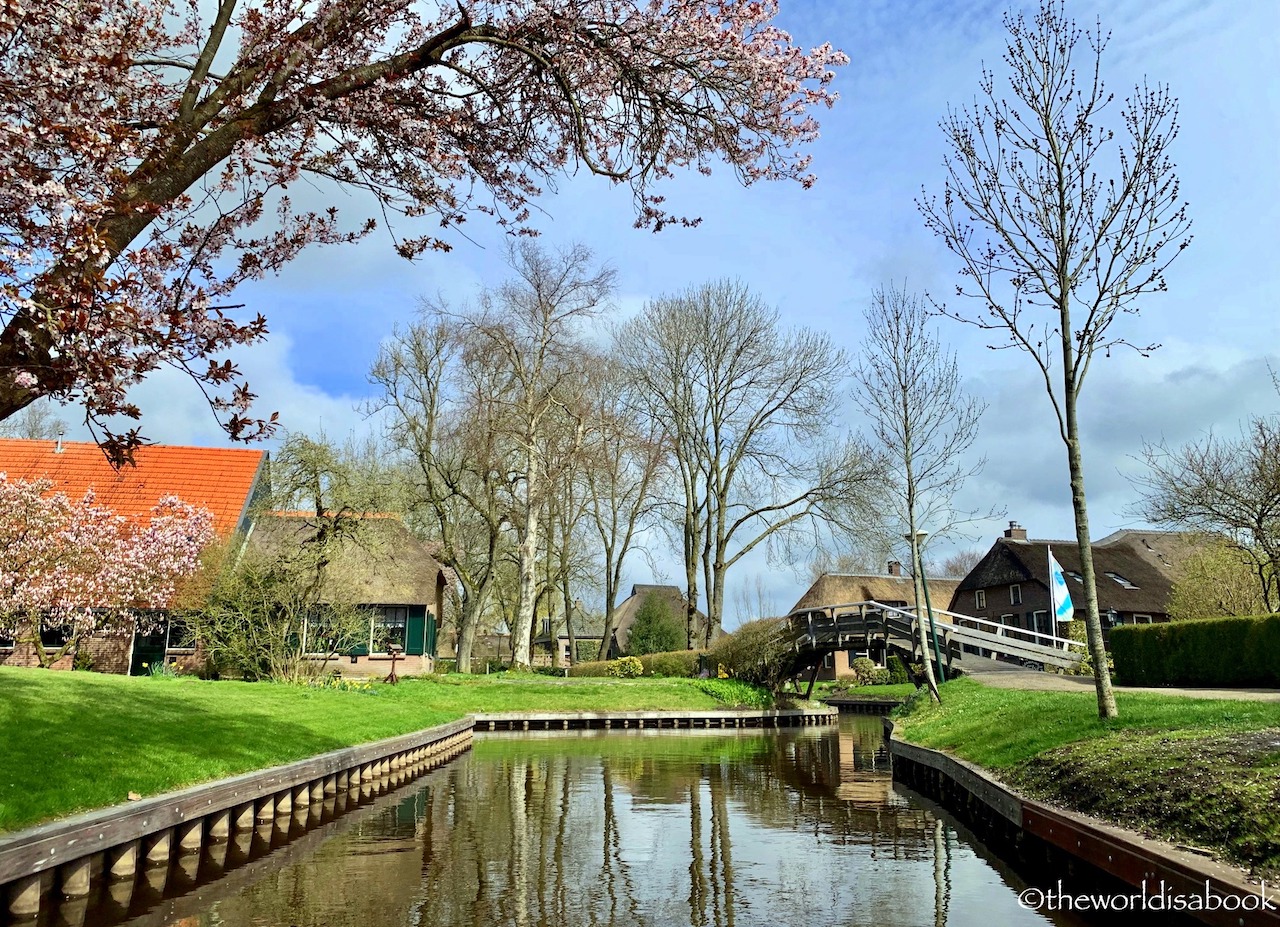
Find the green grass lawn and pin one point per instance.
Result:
(1197, 771)
(70, 742)
(886, 692)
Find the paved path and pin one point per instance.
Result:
(1016, 677)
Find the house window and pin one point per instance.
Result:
(546, 627)
(1142, 619)
(1015, 594)
(389, 626)
(827, 661)
(1040, 622)
(1076, 575)
(980, 599)
(1011, 620)
(1122, 581)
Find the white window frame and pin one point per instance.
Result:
(1015, 593)
(980, 600)
(1142, 619)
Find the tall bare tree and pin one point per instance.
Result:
(1061, 223)
(627, 457)
(909, 386)
(750, 411)
(457, 484)
(528, 331)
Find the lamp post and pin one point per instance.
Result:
(917, 538)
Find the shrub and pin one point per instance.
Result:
(880, 677)
(1233, 652)
(862, 668)
(655, 629)
(675, 663)
(593, 669)
(759, 652)
(736, 694)
(897, 670)
(626, 668)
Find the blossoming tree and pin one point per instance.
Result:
(147, 148)
(77, 567)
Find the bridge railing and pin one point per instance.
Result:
(834, 626)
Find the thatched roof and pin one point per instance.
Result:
(841, 588)
(382, 564)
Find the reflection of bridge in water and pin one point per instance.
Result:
(965, 642)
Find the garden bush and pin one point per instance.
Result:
(1232, 652)
(626, 668)
(672, 663)
(656, 629)
(759, 652)
(862, 668)
(897, 670)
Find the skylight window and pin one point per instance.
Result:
(1121, 580)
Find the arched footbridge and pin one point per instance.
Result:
(967, 643)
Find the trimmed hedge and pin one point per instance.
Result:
(681, 663)
(1229, 652)
(675, 663)
(594, 668)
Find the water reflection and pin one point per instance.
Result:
(706, 829)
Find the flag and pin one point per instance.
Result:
(1063, 610)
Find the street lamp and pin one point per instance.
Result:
(916, 539)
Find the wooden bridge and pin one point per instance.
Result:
(964, 641)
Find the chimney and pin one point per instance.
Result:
(895, 568)
(1015, 532)
(58, 448)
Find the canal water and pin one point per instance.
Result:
(714, 829)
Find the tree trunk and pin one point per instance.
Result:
(1092, 621)
(467, 621)
(921, 618)
(523, 623)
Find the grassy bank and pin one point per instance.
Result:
(70, 742)
(1191, 771)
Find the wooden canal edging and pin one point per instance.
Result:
(1091, 857)
(522, 721)
(64, 859)
(864, 706)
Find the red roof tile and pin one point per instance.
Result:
(218, 479)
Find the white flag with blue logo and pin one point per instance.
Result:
(1063, 610)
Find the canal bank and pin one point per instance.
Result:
(71, 859)
(753, 827)
(1078, 860)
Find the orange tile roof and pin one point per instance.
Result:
(217, 478)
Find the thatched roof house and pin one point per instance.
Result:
(383, 567)
(891, 588)
(672, 597)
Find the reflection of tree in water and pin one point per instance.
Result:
(626, 831)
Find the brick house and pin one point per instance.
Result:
(890, 588)
(1135, 571)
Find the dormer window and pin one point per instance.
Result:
(1076, 575)
(1121, 580)
(980, 600)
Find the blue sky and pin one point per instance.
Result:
(817, 254)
